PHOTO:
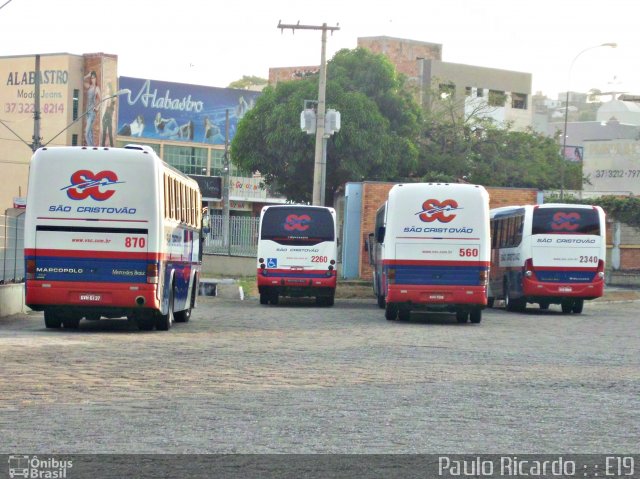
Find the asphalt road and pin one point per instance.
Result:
(295, 378)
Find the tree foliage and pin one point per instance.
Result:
(459, 142)
(379, 127)
(246, 82)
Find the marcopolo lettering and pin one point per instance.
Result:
(53, 269)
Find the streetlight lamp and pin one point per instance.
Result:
(566, 111)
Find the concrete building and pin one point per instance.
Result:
(185, 124)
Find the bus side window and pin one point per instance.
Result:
(380, 234)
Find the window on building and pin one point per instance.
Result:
(479, 92)
(447, 90)
(519, 101)
(497, 98)
(468, 91)
(76, 103)
(74, 139)
(188, 159)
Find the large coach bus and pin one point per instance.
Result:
(111, 232)
(297, 253)
(547, 254)
(430, 250)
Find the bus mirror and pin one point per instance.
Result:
(380, 234)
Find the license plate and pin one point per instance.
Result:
(565, 289)
(436, 296)
(90, 297)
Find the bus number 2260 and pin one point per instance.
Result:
(319, 259)
(135, 242)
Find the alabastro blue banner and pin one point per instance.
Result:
(180, 112)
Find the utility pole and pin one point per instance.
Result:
(226, 210)
(320, 164)
(36, 111)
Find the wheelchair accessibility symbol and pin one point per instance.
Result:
(272, 262)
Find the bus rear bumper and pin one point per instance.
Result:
(533, 288)
(437, 295)
(42, 294)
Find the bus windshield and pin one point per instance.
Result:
(292, 225)
(565, 221)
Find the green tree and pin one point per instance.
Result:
(377, 140)
(246, 82)
(465, 143)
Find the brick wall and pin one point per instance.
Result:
(402, 52)
(374, 194)
(277, 74)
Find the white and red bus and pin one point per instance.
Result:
(297, 253)
(430, 250)
(111, 232)
(547, 254)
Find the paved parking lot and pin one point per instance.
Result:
(245, 378)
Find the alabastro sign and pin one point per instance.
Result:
(612, 167)
(180, 112)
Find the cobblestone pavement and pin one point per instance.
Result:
(245, 378)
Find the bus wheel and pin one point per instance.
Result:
(476, 316)
(577, 306)
(490, 301)
(182, 316)
(566, 305)
(544, 305)
(381, 301)
(163, 321)
(330, 300)
(462, 316)
(511, 304)
(391, 312)
(404, 314)
(146, 324)
(264, 298)
(273, 299)
(51, 319)
(71, 323)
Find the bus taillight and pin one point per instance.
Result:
(391, 275)
(31, 269)
(484, 277)
(528, 268)
(600, 269)
(152, 273)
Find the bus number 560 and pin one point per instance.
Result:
(468, 252)
(135, 242)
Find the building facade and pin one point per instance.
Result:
(82, 101)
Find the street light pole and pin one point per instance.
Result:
(566, 112)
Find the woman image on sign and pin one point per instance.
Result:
(93, 101)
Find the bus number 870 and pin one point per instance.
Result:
(134, 242)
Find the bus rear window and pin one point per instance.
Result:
(297, 225)
(565, 221)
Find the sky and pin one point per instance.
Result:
(212, 43)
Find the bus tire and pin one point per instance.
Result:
(146, 324)
(566, 306)
(163, 321)
(381, 301)
(511, 304)
(391, 311)
(462, 316)
(51, 319)
(578, 304)
(404, 314)
(185, 315)
(330, 301)
(544, 305)
(264, 298)
(71, 323)
(490, 301)
(475, 316)
(273, 299)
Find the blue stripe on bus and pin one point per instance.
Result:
(437, 275)
(91, 269)
(565, 276)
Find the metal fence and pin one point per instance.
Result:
(12, 247)
(243, 236)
